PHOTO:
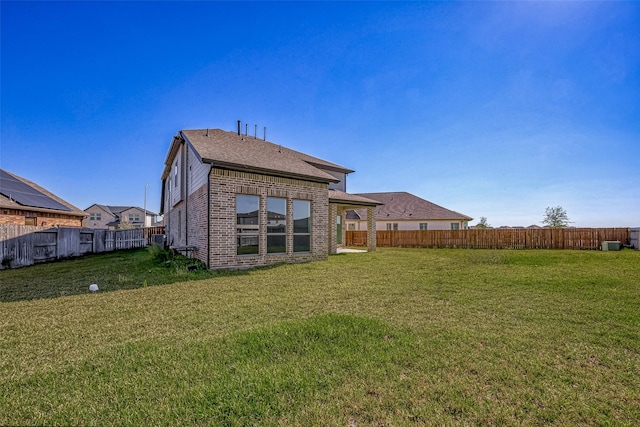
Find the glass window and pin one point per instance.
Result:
(247, 224)
(95, 216)
(455, 226)
(424, 226)
(392, 226)
(301, 226)
(276, 225)
(134, 218)
(175, 174)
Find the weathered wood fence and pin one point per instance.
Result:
(494, 238)
(26, 245)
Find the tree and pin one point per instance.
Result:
(555, 217)
(483, 223)
(125, 225)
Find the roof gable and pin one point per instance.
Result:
(406, 206)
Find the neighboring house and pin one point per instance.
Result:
(23, 202)
(235, 201)
(404, 211)
(114, 217)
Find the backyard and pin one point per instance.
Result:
(394, 337)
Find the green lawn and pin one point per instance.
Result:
(395, 337)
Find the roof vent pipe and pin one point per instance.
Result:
(255, 132)
(239, 127)
(246, 129)
(265, 133)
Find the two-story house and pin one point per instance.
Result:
(115, 217)
(237, 201)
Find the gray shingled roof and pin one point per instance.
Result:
(245, 153)
(119, 209)
(406, 206)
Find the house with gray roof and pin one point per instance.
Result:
(236, 201)
(405, 211)
(23, 202)
(115, 217)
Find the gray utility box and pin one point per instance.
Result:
(635, 238)
(611, 246)
(159, 239)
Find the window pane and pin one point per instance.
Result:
(302, 243)
(301, 216)
(248, 245)
(276, 244)
(276, 215)
(248, 223)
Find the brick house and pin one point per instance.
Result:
(113, 217)
(23, 202)
(236, 201)
(404, 211)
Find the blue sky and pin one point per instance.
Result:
(494, 109)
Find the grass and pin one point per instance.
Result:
(112, 271)
(395, 337)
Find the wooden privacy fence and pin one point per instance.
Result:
(26, 245)
(494, 238)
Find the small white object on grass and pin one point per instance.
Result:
(93, 287)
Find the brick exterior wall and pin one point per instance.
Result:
(175, 225)
(197, 222)
(225, 185)
(18, 217)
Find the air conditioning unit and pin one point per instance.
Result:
(611, 246)
(158, 239)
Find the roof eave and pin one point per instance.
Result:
(173, 150)
(18, 206)
(264, 171)
(335, 168)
